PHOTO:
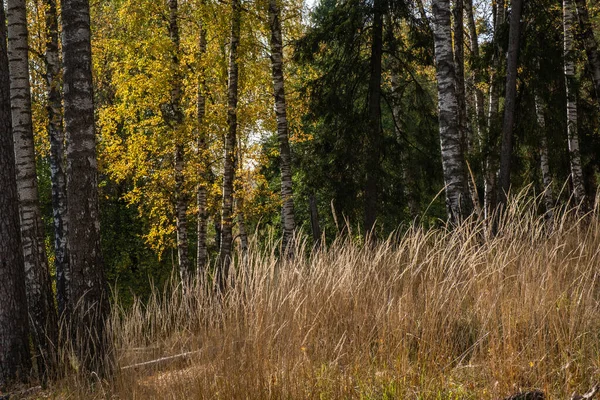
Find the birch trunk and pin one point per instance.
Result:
(476, 72)
(202, 252)
(37, 275)
(459, 69)
(88, 299)
(57, 156)
(493, 123)
(15, 361)
(458, 202)
(571, 86)
(175, 120)
(509, 102)
(590, 43)
(544, 164)
(373, 142)
(287, 209)
(229, 159)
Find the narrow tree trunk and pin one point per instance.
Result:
(544, 164)
(57, 156)
(459, 69)
(229, 159)
(509, 102)
(458, 202)
(493, 123)
(202, 255)
(407, 171)
(314, 219)
(571, 86)
(88, 298)
(476, 72)
(373, 147)
(15, 361)
(37, 276)
(590, 43)
(287, 209)
(176, 121)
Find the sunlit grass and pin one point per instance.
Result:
(448, 314)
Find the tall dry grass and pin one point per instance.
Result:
(425, 314)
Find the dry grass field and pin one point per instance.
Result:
(426, 314)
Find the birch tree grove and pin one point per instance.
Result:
(569, 19)
(88, 301)
(37, 276)
(458, 203)
(287, 209)
(15, 361)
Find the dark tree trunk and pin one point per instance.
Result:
(15, 361)
(571, 86)
(229, 159)
(287, 209)
(57, 156)
(373, 148)
(203, 174)
(88, 297)
(509, 102)
(590, 43)
(175, 120)
(40, 298)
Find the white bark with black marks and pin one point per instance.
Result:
(15, 361)
(202, 142)
(458, 202)
(42, 314)
(229, 159)
(287, 208)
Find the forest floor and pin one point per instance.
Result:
(426, 314)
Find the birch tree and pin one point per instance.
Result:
(88, 301)
(57, 158)
(15, 361)
(458, 203)
(287, 208)
(540, 110)
(37, 276)
(229, 158)
(569, 19)
(174, 118)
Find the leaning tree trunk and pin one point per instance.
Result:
(458, 202)
(204, 165)
(287, 209)
(509, 102)
(373, 147)
(540, 110)
(493, 123)
(57, 156)
(88, 299)
(15, 361)
(590, 43)
(571, 86)
(37, 276)
(229, 159)
(175, 121)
